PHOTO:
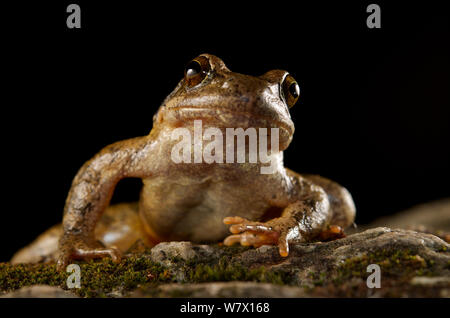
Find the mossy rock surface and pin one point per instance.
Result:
(411, 264)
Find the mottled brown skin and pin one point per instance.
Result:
(195, 201)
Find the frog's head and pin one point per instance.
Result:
(221, 98)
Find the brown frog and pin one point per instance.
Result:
(196, 201)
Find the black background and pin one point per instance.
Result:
(373, 114)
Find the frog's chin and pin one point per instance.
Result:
(187, 117)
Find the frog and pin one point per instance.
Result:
(202, 202)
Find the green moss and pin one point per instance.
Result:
(399, 264)
(318, 279)
(226, 271)
(13, 277)
(98, 278)
(230, 251)
(176, 260)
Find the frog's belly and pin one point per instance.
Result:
(194, 212)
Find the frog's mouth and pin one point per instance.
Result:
(183, 116)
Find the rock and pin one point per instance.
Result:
(39, 291)
(433, 217)
(412, 264)
(166, 252)
(401, 254)
(224, 290)
(430, 281)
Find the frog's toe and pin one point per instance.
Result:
(236, 238)
(240, 225)
(234, 220)
(75, 249)
(251, 239)
(256, 234)
(83, 253)
(283, 245)
(332, 232)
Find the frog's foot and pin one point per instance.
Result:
(256, 234)
(332, 232)
(78, 249)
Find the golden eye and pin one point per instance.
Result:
(291, 90)
(196, 71)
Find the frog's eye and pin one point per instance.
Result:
(196, 71)
(291, 90)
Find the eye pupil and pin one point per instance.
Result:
(196, 71)
(294, 90)
(193, 68)
(291, 90)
